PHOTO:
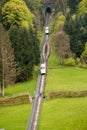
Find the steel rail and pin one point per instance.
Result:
(45, 52)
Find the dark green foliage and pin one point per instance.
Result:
(26, 47)
(73, 5)
(35, 43)
(76, 28)
(2, 2)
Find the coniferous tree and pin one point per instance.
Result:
(76, 28)
(26, 49)
(73, 5)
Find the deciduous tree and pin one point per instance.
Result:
(62, 45)
(7, 60)
(15, 12)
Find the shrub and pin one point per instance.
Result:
(70, 61)
(83, 65)
(84, 54)
(77, 60)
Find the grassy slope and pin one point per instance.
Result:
(14, 117)
(65, 78)
(28, 86)
(58, 114)
(64, 114)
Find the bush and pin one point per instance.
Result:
(84, 54)
(83, 65)
(70, 61)
(77, 60)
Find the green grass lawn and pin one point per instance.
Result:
(18, 88)
(28, 86)
(58, 114)
(14, 117)
(66, 78)
(64, 114)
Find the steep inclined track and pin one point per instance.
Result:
(45, 52)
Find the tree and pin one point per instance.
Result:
(15, 12)
(2, 2)
(73, 5)
(58, 26)
(62, 5)
(26, 49)
(38, 11)
(18, 20)
(62, 45)
(84, 54)
(82, 7)
(76, 28)
(7, 60)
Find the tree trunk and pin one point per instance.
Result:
(3, 83)
(2, 89)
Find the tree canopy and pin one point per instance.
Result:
(15, 12)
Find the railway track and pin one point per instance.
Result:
(45, 52)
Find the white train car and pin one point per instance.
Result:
(47, 30)
(43, 68)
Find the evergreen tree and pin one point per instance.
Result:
(26, 51)
(76, 28)
(73, 5)
(2, 2)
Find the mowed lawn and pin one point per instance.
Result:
(66, 78)
(14, 117)
(23, 87)
(64, 114)
(58, 114)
